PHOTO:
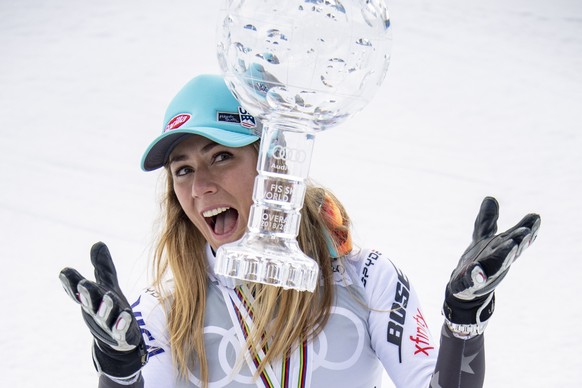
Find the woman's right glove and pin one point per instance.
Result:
(119, 350)
(469, 295)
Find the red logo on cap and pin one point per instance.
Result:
(177, 121)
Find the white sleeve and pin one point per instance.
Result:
(399, 334)
(151, 317)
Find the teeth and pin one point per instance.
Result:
(213, 212)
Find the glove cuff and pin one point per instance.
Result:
(467, 319)
(468, 311)
(116, 364)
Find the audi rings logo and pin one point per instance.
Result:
(289, 154)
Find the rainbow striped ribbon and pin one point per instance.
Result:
(295, 370)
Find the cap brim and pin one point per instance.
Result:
(159, 150)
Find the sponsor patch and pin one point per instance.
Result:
(398, 312)
(247, 120)
(422, 339)
(370, 262)
(228, 117)
(177, 121)
(241, 117)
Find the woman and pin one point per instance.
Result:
(193, 328)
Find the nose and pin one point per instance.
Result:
(203, 183)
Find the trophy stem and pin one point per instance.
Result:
(268, 252)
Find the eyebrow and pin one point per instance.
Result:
(207, 148)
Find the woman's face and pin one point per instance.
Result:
(214, 185)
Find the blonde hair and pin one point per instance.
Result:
(284, 318)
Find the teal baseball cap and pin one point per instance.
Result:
(205, 106)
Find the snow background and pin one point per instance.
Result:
(482, 98)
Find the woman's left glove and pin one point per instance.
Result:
(469, 296)
(119, 350)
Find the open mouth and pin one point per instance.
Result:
(221, 220)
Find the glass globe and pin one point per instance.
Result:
(301, 66)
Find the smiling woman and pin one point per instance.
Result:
(194, 328)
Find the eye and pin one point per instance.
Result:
(182, 171)
(221, 156)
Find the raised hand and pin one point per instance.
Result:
(469, 293)
(119, 349)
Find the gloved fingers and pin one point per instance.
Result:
(133, 335)
(105, 272)
(90, 295)
(530, 221)
(105, 312)
(125, 332)
(523, 233)
(96, 310)
(486, 221)
(102, 304)
(467, 282)
(496, 266)
(482, 276)
(536, 225)
(491, 284)
(520, 236)
(106, 315)
(121, 326)
(478, 276)
(499, 259)
(70, 278)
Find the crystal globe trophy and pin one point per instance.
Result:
(301, 66)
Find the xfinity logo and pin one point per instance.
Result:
(422, 339)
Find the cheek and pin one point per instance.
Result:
(246, 186)
(179, 192)
(184, 199)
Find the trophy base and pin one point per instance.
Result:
(269, 260)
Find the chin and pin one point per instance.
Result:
(216, 245)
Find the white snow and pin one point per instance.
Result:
(482, 98)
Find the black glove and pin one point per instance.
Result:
(469, 296)
(119, 349)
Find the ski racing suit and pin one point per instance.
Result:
(376, 324)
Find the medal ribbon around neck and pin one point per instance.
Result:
(295, 370)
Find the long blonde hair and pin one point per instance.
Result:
(282, 317)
